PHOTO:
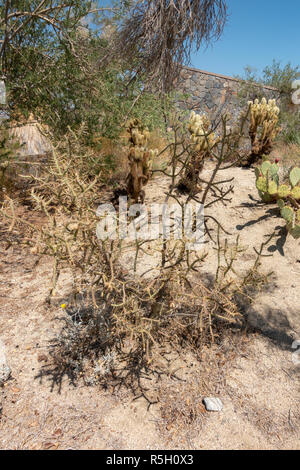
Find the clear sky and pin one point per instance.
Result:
(257, 32)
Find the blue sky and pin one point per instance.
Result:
(257, 32)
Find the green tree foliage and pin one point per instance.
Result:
(56, 64)
(67, 61)
(281, 77)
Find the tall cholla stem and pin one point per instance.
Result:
(140, 160)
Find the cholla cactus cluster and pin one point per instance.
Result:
(140, 159)
(263, 125)
(199, 128)
(287, 196)
(203, 140)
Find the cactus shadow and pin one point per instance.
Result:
(255, 202)
(272, 324)
(280, 242)
(273, 212)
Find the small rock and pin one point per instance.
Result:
(4, 367)
(213, 404)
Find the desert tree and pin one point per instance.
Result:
(50, 53)
(161, 34)
(61, 64)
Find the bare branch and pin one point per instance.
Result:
(162, 34)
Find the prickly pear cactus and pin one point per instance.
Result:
(287, 196)
(292, 218)
(295, 193)
(294, 176)
(267, 181)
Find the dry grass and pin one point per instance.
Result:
(288, 154)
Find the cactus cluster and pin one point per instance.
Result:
(287, 196)
(138, 134)
(199, 128)
(140, 159)
(203, 140)
(263, 125)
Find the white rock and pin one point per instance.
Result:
(213, 404)
(4, 367)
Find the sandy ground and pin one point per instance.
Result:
(253, 373)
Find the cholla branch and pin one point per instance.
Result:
(122, 307)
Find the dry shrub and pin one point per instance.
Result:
(164, 34)
(114, 156)
(112, 309)
(157, 140)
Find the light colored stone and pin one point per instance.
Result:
(4, 367)
(213, 404)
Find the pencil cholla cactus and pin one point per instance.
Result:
(263, 125)
(140, 159)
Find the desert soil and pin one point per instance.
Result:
(253, 372)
